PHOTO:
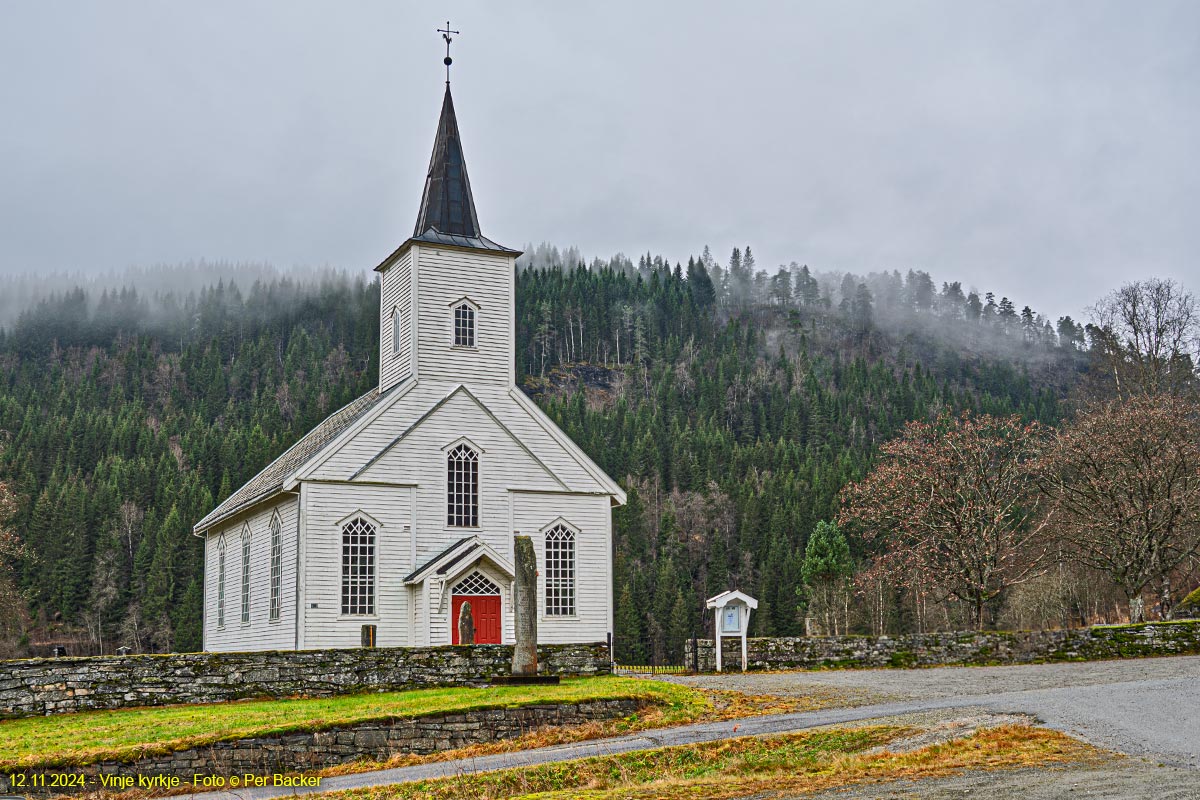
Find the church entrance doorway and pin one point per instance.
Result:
(484, 597)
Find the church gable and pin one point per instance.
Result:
(417, 453)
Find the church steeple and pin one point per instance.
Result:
(447, 205)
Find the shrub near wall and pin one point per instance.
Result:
(54, 685)
(969, 648)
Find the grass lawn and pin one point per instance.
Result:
(748, 767)
(126, 734)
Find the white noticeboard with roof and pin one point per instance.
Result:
(732, 610)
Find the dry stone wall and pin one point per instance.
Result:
(975, 648)
(33, 687)
(302, 752)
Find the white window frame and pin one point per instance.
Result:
(221, 581)
(395, 330)
(560, 585)
(462, 511)
(470, 311)
(276, 605)
(363, 605)
(245, 575)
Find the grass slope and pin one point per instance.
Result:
(747, 767)
(127, 734)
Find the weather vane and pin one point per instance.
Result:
(447, 60)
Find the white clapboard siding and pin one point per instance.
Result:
(261, 633)
(589, 516)
(421, 458)
(395, 293)
(368, 441)
(327, 506)
(533, 434)
(446, 276)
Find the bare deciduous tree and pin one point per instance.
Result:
(1124, 480)
(955, 504)
(1146, 338)
(14, 620)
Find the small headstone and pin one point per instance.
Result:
(466, 624)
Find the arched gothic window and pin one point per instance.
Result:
(395, 331)
(358, 567)
(462, 488)
(221, 581)
(246, 574)
(276, 566)
(464, 325)
(560, 571)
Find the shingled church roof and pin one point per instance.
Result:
(270, 480)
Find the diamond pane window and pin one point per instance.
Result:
(560, 571)
(476, 584)
(462, 488)
(358, 567)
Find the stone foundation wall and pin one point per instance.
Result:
(929, 649)
(302, 752)
(33, 687)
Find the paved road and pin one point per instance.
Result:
(1146, 707)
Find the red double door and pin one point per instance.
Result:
(485, 608)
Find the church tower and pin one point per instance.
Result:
(447, 294)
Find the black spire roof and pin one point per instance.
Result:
(447, 214)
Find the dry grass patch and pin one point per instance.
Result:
(711, 706)
(749, 766)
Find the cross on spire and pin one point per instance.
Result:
(445, 32)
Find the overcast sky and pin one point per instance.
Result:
(1046, 151)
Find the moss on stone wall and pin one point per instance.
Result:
(33, 687)
(974, 648)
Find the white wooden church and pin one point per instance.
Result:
(396, 509)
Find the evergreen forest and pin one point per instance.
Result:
(732, 404)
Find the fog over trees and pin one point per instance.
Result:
(735, 405)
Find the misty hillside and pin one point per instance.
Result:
(731, 403)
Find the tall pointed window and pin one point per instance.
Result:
(462, 487)
(358, 567)
(560, 571)
(395, 331)
(221, 581)
(276, 566)
(246, 574)
(464, 325)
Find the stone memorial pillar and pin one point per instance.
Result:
(524, 663)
